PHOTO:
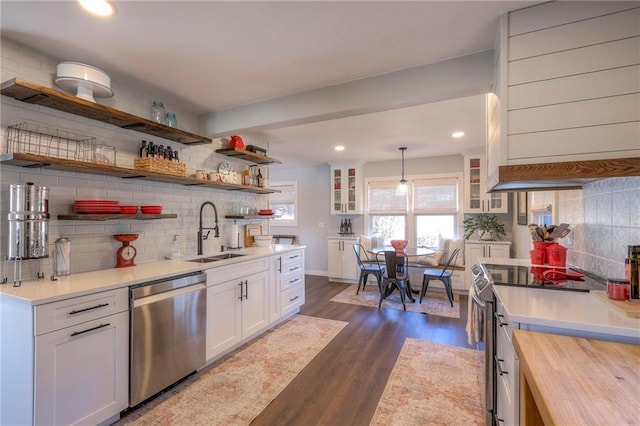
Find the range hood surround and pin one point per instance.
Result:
(560, 175)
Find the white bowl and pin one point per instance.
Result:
(263, 240)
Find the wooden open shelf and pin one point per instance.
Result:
(251, 216)
(138, 216)
(247, 155)
(32, 93)
(34, 161)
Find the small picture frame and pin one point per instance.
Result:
(521, 208)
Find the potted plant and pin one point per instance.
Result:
(486, 225)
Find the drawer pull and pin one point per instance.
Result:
(294, 298)
(294, 280)
(293, 269)
(500, 322)
(294, 257)
(102, 305)
(499, 367)
(75, 333)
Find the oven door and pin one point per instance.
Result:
(488, 337)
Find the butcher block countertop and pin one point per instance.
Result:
(577, 381)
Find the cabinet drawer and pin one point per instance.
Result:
(65, 313)
(293, 257)
(220, 274)
(292, 279)
(293, 267)
(502, 321)
(292, 298)
(506, 364)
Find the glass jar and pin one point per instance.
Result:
(157, 112)
(171, 120)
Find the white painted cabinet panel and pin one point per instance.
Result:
(347, 186)
(476, 200)
(255, 304)
(224, 317)
(82, 372)
(475, 249)
(342, 259)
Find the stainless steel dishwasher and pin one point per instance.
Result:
(167, 333)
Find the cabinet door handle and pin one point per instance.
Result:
(500, 322)
(75, 333)
(240, 290)
(499, 420)
(280, 264)
(246, 289)
(499, 367)
(294, 298)
(101, 305)
(489, 249)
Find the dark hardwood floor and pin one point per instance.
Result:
(343, 384)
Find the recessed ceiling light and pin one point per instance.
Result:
(457, 134)
(339, 148)
(98, 7)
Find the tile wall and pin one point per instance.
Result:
(605, 218)
(92, 244)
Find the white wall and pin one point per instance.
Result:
(93, 246)
(604, 218)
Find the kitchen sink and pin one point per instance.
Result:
(223, 256)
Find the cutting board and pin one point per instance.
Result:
(630, 308)
(249, 232)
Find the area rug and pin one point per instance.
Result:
(433, 303)
(432, 384)
(237, 389)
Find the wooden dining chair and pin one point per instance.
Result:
(391, 278)
(443, 275)
(367, 267)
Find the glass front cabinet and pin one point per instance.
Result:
(476, 200)
(346, 188)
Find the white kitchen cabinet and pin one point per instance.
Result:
(237, 304)
(475, 249)
(347, 187)
(476, 200)
(82, 372)
(66, 362)
(287, 284)
(566, 86)
(343, 265)
(507, 371)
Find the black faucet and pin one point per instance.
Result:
(200, 228)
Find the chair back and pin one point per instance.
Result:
(389, 260)
(450, 262)
(357, 249)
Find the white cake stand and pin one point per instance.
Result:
(86, 80)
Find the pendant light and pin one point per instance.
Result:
(401, 189)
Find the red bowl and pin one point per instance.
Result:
(151, 209)
(128, 209)
(399, 244)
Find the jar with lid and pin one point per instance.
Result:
(170, 120)
(618, 289)
(157, 112)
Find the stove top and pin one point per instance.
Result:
(552, 278)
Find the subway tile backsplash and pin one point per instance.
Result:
(93, 246)
(605, 218)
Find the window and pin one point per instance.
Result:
(285, 203)
(429, 209)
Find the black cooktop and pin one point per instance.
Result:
(551, 278)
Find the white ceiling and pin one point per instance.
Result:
(218, 55)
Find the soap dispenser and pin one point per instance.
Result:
(175, 247)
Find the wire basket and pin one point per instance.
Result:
(31, 138)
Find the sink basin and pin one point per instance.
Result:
(223, 256)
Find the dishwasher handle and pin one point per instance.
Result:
(158, 297)
(160, 286)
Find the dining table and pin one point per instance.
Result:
(410, 253)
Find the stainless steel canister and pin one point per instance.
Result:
(62, 255)
(28, 222)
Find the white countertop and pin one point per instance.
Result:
(37, 292)
(571, 310)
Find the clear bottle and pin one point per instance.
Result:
(171, 120)
(157, 112)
